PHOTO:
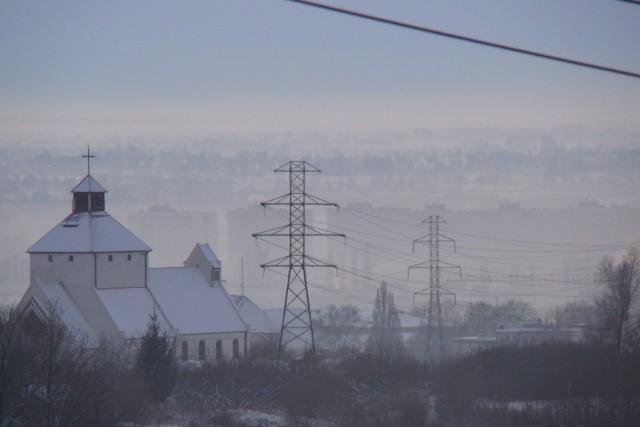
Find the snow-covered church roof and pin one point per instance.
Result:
(191, 304)
(209, 254)
(88, 185)
(131, 310)
(89, 232)
(69, 313)
(256, 318)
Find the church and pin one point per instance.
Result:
(93, 275)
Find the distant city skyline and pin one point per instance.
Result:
(160, 68)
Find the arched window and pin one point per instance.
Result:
(185, 351)
(128, 257)
(201, 350)
(70, 258)
(236, 349)
(218, 349)
(110, 257)
(50, 258)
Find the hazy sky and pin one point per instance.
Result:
(167, 67)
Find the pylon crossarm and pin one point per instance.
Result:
(315, 232)
(274, 232)
(297, 166)
(280, 262)
(448, 265)
(423, 292)
(280, 200)
(315, 262)
(317, 201)
(424, 264)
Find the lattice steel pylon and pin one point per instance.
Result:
(434, 265)
(296, 314)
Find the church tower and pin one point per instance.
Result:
(89, 248)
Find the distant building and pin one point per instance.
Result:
(93, 274)
(171, 233)
(464, 345)
(535, 332)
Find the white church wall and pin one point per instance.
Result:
(58, 267)
(121, 270)
(198, 259)
(210, 341)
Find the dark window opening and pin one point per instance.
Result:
(80, 202)
(50, 258)
(185, 351)
(97, 202)
(236, 348)
(218, 349)
(70, 258)
(128, 257)
(110, 257)
(33, 325)
(201, 350)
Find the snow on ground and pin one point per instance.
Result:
(251, 418)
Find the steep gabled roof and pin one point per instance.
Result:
(191, 304)
(131, 308)
(68, 312)
(88, 185)
(256, 319)
(209, 254)
(89, 232)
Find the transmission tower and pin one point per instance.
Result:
(434, 265)
(296, 314)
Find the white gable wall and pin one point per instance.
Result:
(79, 272)
(199, 259)
(121, 272)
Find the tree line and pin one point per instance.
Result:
(48, 378)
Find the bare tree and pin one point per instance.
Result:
(57, 387)
(479, 318)
(572, 313)
(482, 318)
(339, 327)
(617, 306)
(16, 356)
(619, 326)
(514, 311)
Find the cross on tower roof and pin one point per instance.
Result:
(88, 157)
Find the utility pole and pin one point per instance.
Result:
(296, 314)
(434, 265)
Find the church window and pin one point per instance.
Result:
(215, 273)
(128, 257)
(50, 258)
(236, 349)
(201, 350)
(70, 258)
(218, 349)
(110, 257)
(185, 351)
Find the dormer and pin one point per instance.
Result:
(88, 196)
(203, 257)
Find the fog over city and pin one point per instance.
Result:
(189, 109)
(476, 211)
(532, 211)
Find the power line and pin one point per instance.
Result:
(467, 39)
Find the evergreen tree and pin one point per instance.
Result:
(385, 341)
(154, 361)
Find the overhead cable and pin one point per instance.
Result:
(467, 39)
